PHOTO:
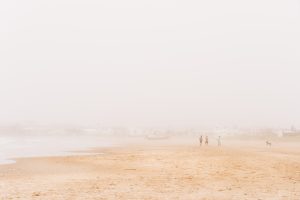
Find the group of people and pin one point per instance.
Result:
(201, 140)
(206, 140)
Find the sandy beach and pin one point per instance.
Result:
(158, 172)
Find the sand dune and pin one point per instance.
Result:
(158, 172)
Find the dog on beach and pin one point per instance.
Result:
(268, 143)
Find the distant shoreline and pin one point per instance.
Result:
(15, 147)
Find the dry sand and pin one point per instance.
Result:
(158, 172)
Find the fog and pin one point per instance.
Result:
(151, 63)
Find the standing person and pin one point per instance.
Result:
(219, 141)
(206, 140)
(200, 140)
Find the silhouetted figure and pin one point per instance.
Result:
(200, 140)
(219, 141)
(206, 140)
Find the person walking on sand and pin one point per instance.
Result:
(219, 141)
(200, 140)
(206, 140)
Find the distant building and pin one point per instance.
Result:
(292, 132)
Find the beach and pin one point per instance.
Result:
(157, 170)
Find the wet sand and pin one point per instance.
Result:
(158, 172)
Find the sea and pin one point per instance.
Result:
(12, 147)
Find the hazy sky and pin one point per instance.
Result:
(151, 63)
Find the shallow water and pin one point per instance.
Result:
(34, 146)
